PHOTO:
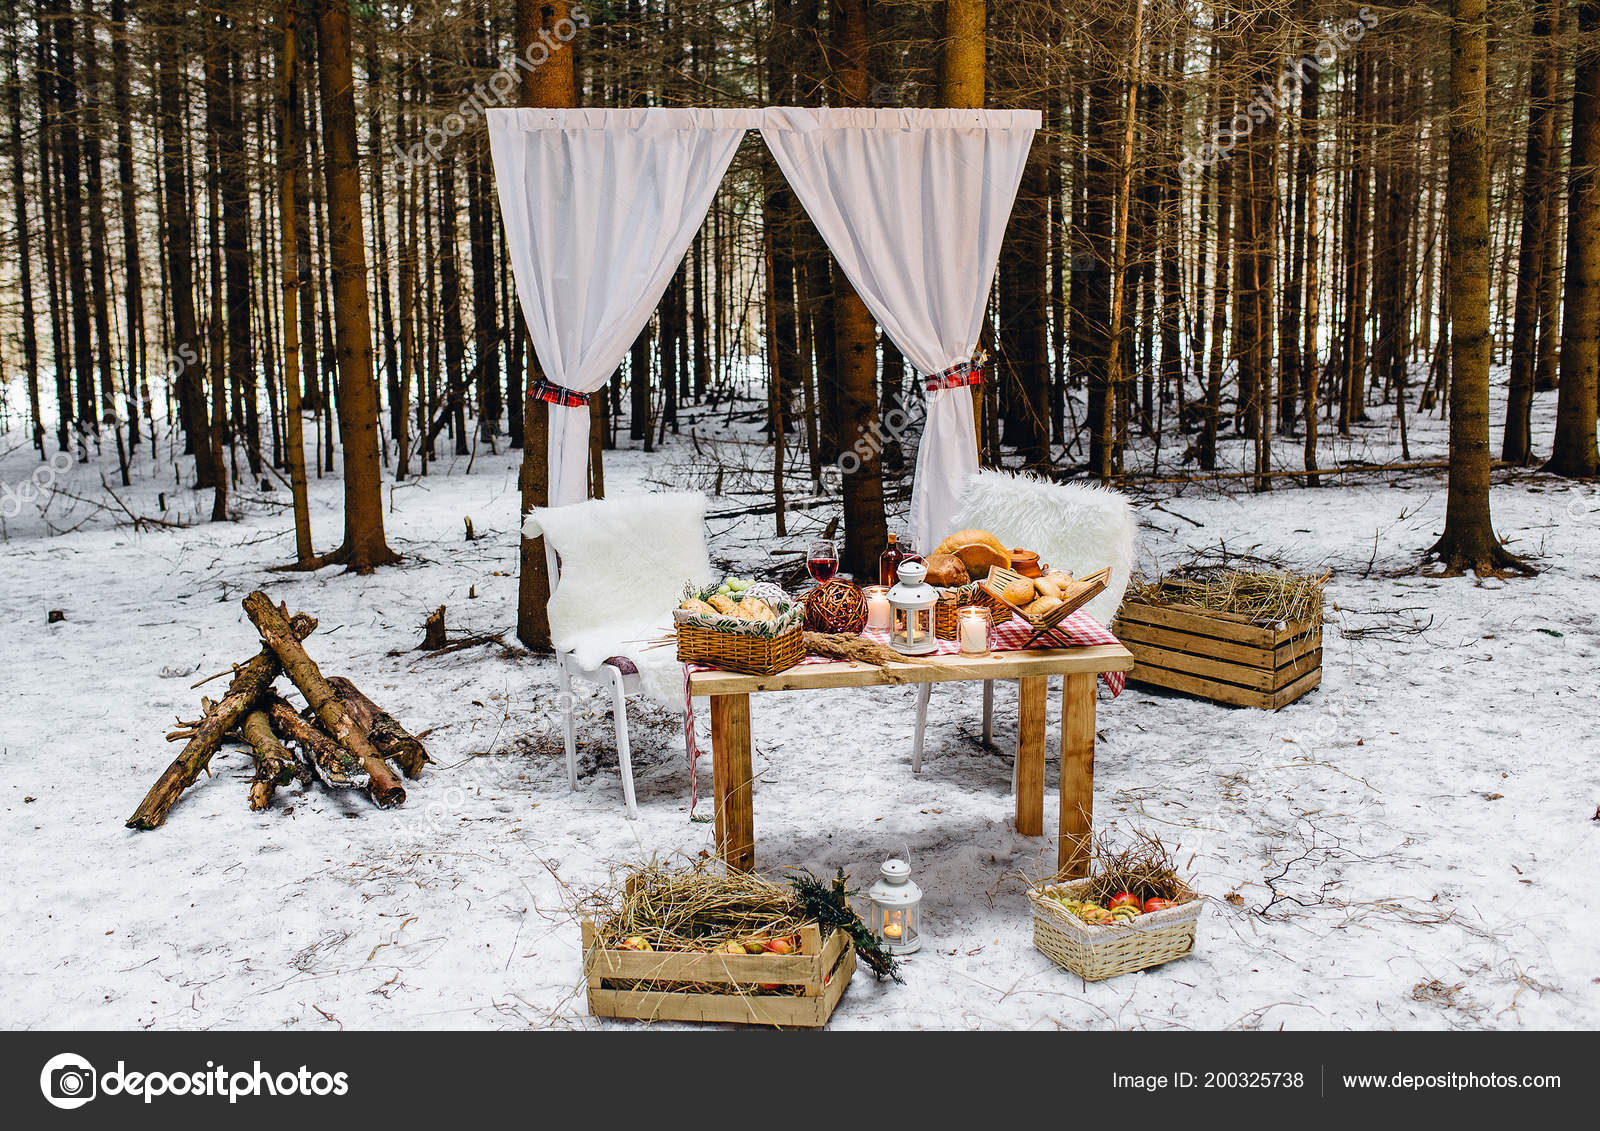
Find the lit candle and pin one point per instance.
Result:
(974, 630)
(891, 930)
(877, 606)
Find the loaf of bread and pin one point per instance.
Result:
(978, 550)
(695, 605)
(723, 604)
(947, 570)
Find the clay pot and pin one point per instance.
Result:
(1026, 562)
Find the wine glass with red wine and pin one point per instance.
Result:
(822, 559)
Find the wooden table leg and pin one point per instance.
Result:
(1077, 774)
(1032, 692)
(731, 771)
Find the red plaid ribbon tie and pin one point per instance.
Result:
(956, 377)
(542, 390)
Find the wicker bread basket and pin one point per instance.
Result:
(735, 645)
(1096, 953)
(741, 652)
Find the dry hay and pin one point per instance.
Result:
(1258, 595)
(693, 909)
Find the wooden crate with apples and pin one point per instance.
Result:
(794, 990)
(1224, 657)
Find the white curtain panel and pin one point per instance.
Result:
(913, 205)
(599, 208)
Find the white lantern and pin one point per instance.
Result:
(896, 909)
(911, 611)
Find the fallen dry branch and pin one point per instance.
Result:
(390, 739)
(275, 765)
(273, 624)
(330, 761)
(248, 684)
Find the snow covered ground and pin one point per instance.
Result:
(1413, 846)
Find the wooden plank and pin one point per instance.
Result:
(1221, 625)
(678, 966)
(1291, 650)
(1308, 682)
(1215, 690)
(745, 1009)
(730, 749)
(1132, 633)
(1076, 818)
(1031, 698)
(1261, 679)
(997, 665)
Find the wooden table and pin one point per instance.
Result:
(730, 733)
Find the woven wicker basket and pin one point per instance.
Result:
(1096, 953)
(944, 612)
(741, 652)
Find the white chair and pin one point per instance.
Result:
(617, 567)
(1071, 526)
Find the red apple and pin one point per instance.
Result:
(1155, 903)
(1121, 899)
(781, 945)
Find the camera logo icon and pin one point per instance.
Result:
(68, 1081)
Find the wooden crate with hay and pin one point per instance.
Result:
(797, 990)
(1243, 639)
(687, 944)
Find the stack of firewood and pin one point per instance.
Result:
(343, 739)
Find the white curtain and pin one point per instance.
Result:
(913, 204)
(600, 207)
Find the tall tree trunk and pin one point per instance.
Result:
(365, 547)
(1468, 541)
(962, 81)
(553, 85)
(1537, 195)
(68, 140)
(289, 172)
(1574, 451)
(856, 341)
(187, 350)
(133, 288)
(30, 342)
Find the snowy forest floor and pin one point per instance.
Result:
(1412, 846)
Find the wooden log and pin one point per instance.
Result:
(332, 762)
(275, 765)
(391, 739)
(248, 684)
(272, 622)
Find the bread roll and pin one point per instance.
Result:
(754, 608)
(723, 604)
(1048, 585)
(1043, 607)
(695, 605)
(1019, 591)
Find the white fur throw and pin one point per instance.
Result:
(624, 562)
(1071, 526)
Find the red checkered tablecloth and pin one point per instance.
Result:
(1011, 636)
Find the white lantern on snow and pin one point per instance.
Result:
(896, 916)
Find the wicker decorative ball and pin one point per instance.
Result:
(836, 606)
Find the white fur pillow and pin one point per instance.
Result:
(1071, 526)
